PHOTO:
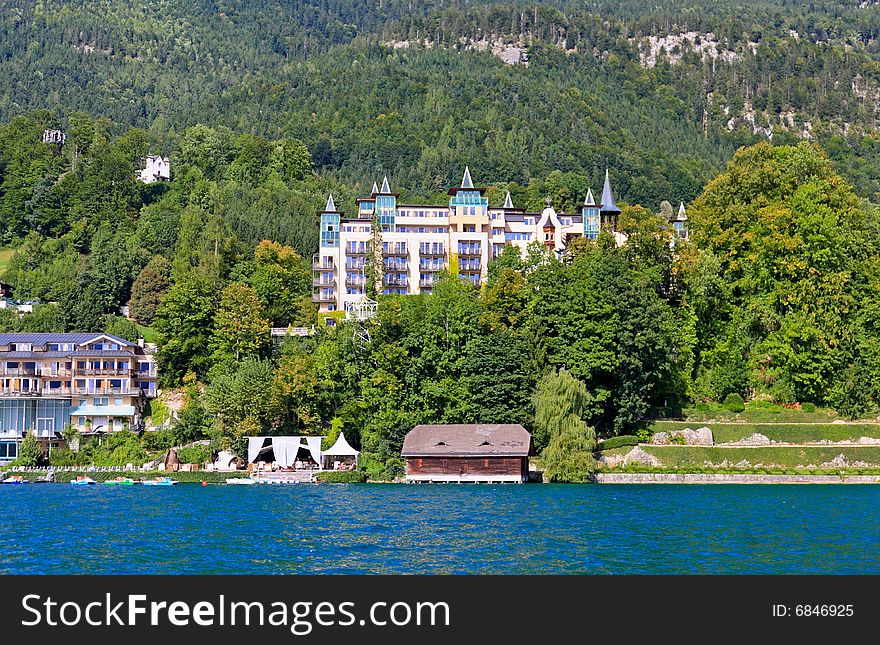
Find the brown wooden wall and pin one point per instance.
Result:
(467, 465)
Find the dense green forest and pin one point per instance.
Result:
(265, 107)
(328, 73)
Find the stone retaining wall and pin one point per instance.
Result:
(733, 478)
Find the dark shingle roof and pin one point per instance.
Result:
(468, 440)
(42, 338)
(83, 354)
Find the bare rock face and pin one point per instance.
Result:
(612, 460)
(698, 437)
(840, 461)
(639, 456)
(660, 439)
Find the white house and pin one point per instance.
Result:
(157, 168)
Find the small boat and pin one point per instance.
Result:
(15, 479)
(159, 481)
(120, 481)
(242, 481)
(83, 481)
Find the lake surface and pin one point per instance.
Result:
(478, 529)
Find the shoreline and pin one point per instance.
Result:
(731, 478)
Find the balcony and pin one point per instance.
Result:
(48, 372)
(396, 266)
(469, 251)
(426, 284)
(395, 282)
(102, 371)
(432, 251)
(355, 250)
(19, 371)
(56, 391)
(394, 250)
(428, 266)
(8, 391)
(144, 373)
(356, 282)
(318, 264)
(355, 266)
(125, 389)
(323, 297)
(324, 282)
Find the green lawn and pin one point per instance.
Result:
(5, 257)
(787, 432)
(760, 412)
(687, 456)
(148, 333)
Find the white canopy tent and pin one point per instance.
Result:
(341, 451)
(285, 449)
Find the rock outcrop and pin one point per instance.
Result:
(639, 456)
(698, 437)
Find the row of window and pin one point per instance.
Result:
(422, 229)
(419, 213)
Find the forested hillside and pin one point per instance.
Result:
(664, 92)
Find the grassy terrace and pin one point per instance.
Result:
(787, 457)
(784, 432)
(764, 470)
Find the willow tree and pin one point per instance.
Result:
(560, 400)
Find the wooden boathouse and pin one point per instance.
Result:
(492, 453)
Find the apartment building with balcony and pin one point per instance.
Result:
(95, 382)
(418, 242)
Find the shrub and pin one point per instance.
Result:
(619, 442)
(194, 454)
(342, 477)
(158, 440)
(29, 451)
(733, 402)
(702, 407)
(808, 407)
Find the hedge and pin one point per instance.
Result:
(619, 442)
(341, 477)
(733, 402)
(184, 477)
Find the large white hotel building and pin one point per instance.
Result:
(419, 242)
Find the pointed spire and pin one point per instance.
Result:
(508, 202)
(608, 203)
(375, 188)
(330, 207)
(681, 214)
(385, 188)
(466, 180)
(589, 201)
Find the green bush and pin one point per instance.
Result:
(29, 451)
(158, 440)
(194, 454)
(808, 407)
(342, 477)
(733, 402)
(619, 442)
(702, 407)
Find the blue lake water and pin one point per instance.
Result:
(476, 529)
